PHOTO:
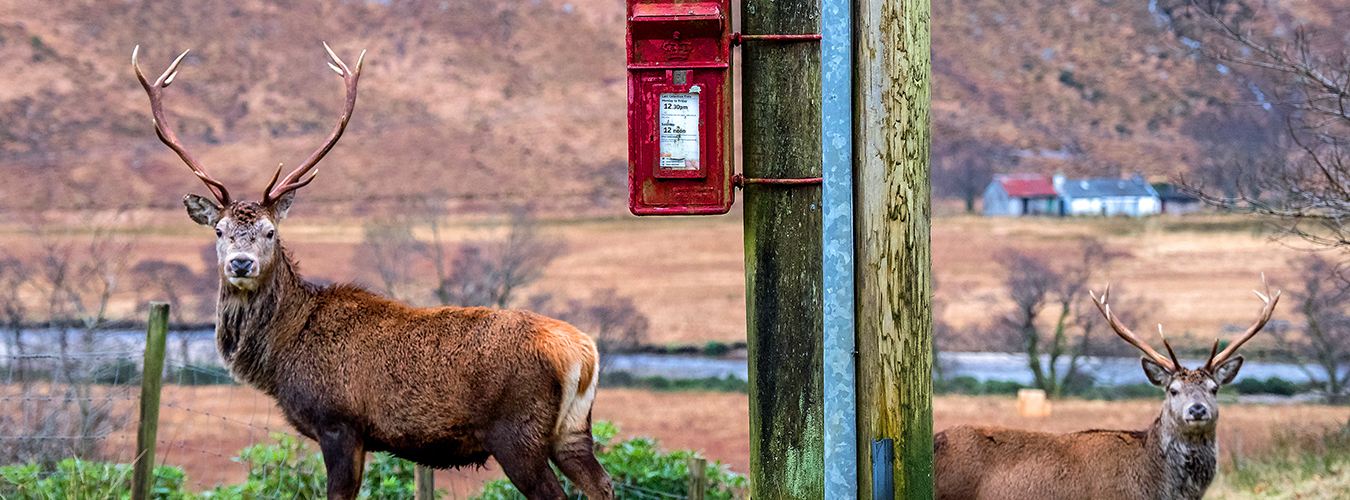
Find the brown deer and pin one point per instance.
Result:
(443, 387)
(1173, 459)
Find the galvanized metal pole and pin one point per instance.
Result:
(152, 371)
(782, 127)
(841, 439)
(892, 83)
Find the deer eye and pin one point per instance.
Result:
(1174, 392)
(218, 233)
(271, 233)
(1214, 390)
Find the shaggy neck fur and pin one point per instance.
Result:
(249, 327)
(1189, 455)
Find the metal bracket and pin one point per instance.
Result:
(740, 181)
(737, 38)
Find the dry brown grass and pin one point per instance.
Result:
(202, 427)
(687, 274)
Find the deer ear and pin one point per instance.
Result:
(1156, 373)
(202, 210)
(281, 206)
(1228, 371)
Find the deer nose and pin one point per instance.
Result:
(1199, 412)
(240, 266)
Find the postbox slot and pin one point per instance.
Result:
(673, 10)
(686, 34)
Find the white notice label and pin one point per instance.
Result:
(679, 131)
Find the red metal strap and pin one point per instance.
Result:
(737, 38)
(740, 181)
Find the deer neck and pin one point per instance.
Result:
(1188, 455)
(250, 324)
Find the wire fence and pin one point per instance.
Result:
(67, 393)
(75, 394)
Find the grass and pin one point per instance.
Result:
(1297, 466)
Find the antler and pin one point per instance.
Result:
(1218, 359)
(1129, 336)
(293, 180)
(156, 93)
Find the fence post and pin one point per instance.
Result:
(425, 481)
(152, 371)
(698, 478)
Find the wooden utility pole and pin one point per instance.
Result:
(781, 139)
(892, 89)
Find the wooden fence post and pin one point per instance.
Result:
(152, 372)
(425, 483)
(698, 478)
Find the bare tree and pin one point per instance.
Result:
(613, 320)
(1035, 284)
(965, 168)
(77, 273)
(1324, 341)
(174, 283)
(491, 273)
(1301, 81)
(14, 277)
(389, 243)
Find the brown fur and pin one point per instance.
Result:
(1173, 459)
(444, 387)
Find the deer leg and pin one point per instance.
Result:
(344, 456)
(575, 456)
(524, 459)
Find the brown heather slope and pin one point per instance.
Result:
(471, 99)
(487, 101)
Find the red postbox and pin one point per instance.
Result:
(679, 107)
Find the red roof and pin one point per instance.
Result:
(1027, 185)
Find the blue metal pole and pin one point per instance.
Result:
(836, 57)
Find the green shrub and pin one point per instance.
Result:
(1003, 387)
(1272, 385)
(83, 480)
(716, 349)
(964, 384)
(283, 470)
(122, 371)
(640, 471)
(730, 383)
(1122, 391)
(203, 375)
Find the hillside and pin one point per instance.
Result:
(458, 99)
(482, 102)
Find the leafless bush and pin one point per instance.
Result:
(1035, 284)
(1324, 340)
(491, 273)
(613, 320)
(389, 244)
(76, 272)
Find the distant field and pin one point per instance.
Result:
(201, 427)
(687, 273)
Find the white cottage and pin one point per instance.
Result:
(1099, 196)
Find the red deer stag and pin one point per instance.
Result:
(1173, 459)
(444, 387)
